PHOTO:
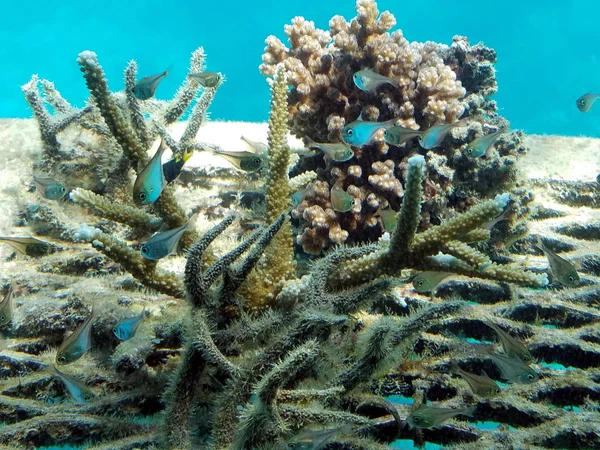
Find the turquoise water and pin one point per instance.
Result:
(547, 50)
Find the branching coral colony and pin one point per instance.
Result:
(249, 355)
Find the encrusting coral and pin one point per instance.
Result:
(436, 84)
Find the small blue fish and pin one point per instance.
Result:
(164, 243)
(367, 80)
(48, 188)
(77, 344)
(479, 146)
(360, 133)
(297, 197)
(388, 218)
(126, 328)
(151, 181)
(586, 101)
(433, 136)
(146, 87)
(79, 392)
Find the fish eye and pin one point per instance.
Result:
(571, 278)
(115, 330)
(530, 377)
(497, 390)
(61, 359)
(142, 196)
(63, 189)
(416, 419)
(349, 132)
(144, 250)
(421, 283)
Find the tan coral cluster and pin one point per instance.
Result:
(320, 65)
(436, 84)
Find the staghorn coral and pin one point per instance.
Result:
(436, 83)
(277, 264)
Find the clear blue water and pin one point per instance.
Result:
(548, 49)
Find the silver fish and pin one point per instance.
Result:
(433, 136)
(316, 439)
(480, 146)
(561, 269)
(427, 281)
(77, 344)
(340, 199)
(164, 243)
(246, 161)
(6, 305)
(514, 369)
(338, 152)
(27, 245)
(586, 101)
(429, 416)
(367, 80)
(511, 346)
(146, 87)
(206, 79)
(151, 181)
(481, 385)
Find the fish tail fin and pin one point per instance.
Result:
(470, 411)
(454, 368)
(191, 223)
(539, 244)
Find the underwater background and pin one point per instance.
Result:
(548, 53)
(332, 225)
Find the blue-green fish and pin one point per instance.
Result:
(398, 135)
(316, 439)
(246, 161)
(512, 347)
(367, 80)
(206, 79)
(151, 181)
(297, 197)
(433, 136)
(338, 152)
(341, 201)
(586, 101)
(77, 344)
(48, 188)
(257, 147)
(126, 328)
(481, 385)
(480, 146)
(79, 392)
(146, 87)
(427, 281)
(429, 416)
(513, 369)
(561, 269)
(6, 305)
(164, 243)
(27, 245)
(360, 132)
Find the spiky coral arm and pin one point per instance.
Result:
(409, 250)
(139, 267)
(127, 215)
(116, 121)
(278, 262)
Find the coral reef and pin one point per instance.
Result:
(436, 84)
(237, 348)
